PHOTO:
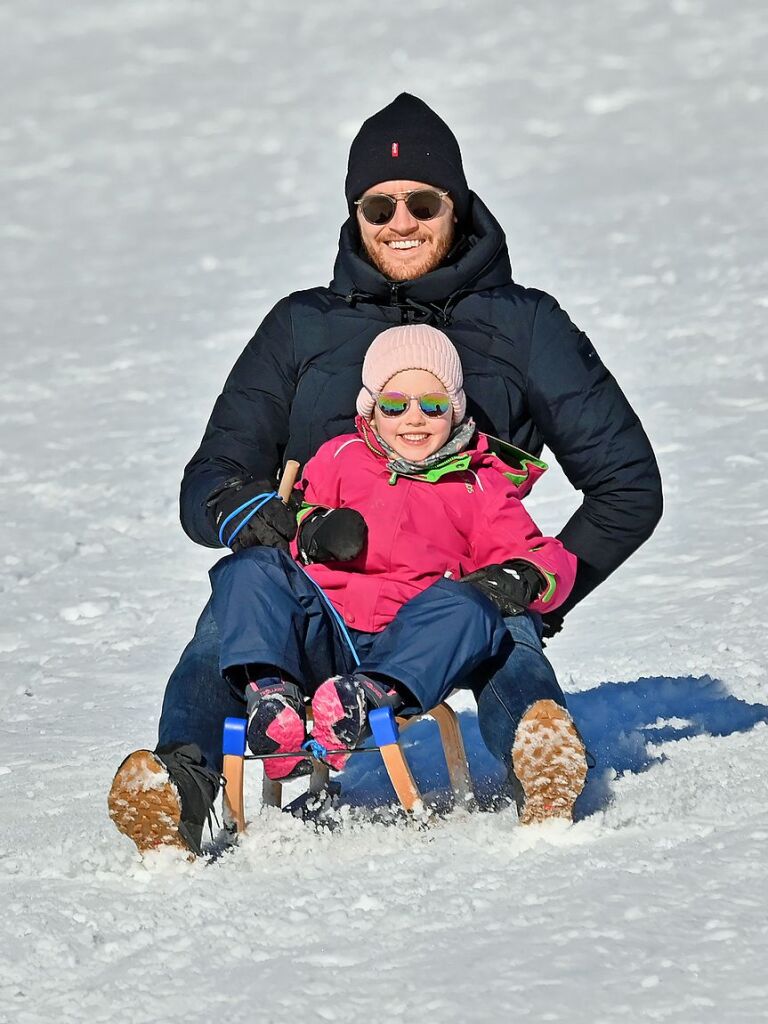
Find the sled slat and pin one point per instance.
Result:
(455, 754)
(387, 734)
(234, 807)
(400, 776)
(271, 793)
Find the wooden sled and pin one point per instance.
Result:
(386, 729)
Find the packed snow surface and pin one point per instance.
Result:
(169, 170)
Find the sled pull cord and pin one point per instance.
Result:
(287, 482)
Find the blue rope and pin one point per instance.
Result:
(261, 498)
(315, 749)
(337, 618)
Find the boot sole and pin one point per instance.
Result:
(144, 804)
(549, 760)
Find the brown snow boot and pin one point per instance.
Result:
(163, 798)
(549, 761)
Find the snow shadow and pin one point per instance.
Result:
(623, 725)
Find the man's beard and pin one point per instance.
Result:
(433, 255)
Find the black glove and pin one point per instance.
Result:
(552, 624)
(332, 535)
(512, 586)
(273, 526)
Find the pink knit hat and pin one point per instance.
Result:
(412, 347)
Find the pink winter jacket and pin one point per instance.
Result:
(463, 515)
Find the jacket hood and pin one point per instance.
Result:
(481, 262)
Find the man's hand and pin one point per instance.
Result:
(512, 585)
(332, 535)
(552, 624)
(273, 525)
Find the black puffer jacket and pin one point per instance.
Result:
(530, 375)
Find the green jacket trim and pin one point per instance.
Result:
(453, 464)
(549, 593)
(514, 458)
(304, 511)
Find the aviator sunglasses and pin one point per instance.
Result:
(422, 203)
(394, 403)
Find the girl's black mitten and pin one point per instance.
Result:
(332, 535)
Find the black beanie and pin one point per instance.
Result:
(406, 141)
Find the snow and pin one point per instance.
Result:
(169, 170)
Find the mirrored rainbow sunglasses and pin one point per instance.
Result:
(394, 403)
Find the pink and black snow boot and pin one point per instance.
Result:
(340, 712)
(277, 724)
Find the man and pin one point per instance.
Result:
(418, 246)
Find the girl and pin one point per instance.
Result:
(411, 538)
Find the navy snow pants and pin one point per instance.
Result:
(269, 612)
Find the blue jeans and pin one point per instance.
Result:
(506, 694)
(506, 679)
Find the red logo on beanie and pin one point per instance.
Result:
(395, 149)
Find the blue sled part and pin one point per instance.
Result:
(233, 740)
(384, 726)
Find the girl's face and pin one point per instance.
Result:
(413, 435)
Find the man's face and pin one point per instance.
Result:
(407, 248)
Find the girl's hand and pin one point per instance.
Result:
(332, 535)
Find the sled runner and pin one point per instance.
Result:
(386, 729)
